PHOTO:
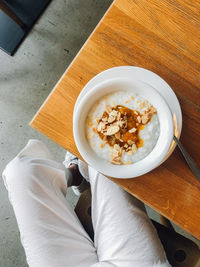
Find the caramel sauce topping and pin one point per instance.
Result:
(130, 116)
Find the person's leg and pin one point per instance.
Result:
(50, 231)
(123, 233)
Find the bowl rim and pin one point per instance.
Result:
(141, 167)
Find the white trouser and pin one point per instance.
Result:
(51, 233)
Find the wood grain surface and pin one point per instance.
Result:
(164, 37)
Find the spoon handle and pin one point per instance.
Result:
(193, 166)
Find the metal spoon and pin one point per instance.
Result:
(193, 166)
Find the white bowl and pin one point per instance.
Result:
(154, 158)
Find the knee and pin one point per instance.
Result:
(18, 173)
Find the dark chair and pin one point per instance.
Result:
(16, 19)
(10, 14)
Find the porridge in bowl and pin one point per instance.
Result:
(122, 128)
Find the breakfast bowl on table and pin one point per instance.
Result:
(123, 128)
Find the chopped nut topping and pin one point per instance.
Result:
(127, 162)
(116, 147)
(119, 128)
(132, 130)
(99, 127)
(111, 118)
(104, 119)
(117, 135)
(116, 154)
(120, 123)
(139, 119)
(130, 142)
(134, 148)
(103, 126)
(115, 162)
(96, 120)
(113, 113)
(112, 130)
(118, 116)
(145, 119)
(142, 104)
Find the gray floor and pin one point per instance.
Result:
(25, 81)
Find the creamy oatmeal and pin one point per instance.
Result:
(122, 128)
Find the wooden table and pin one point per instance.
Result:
(162, 36)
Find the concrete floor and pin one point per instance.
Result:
(25, 81)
